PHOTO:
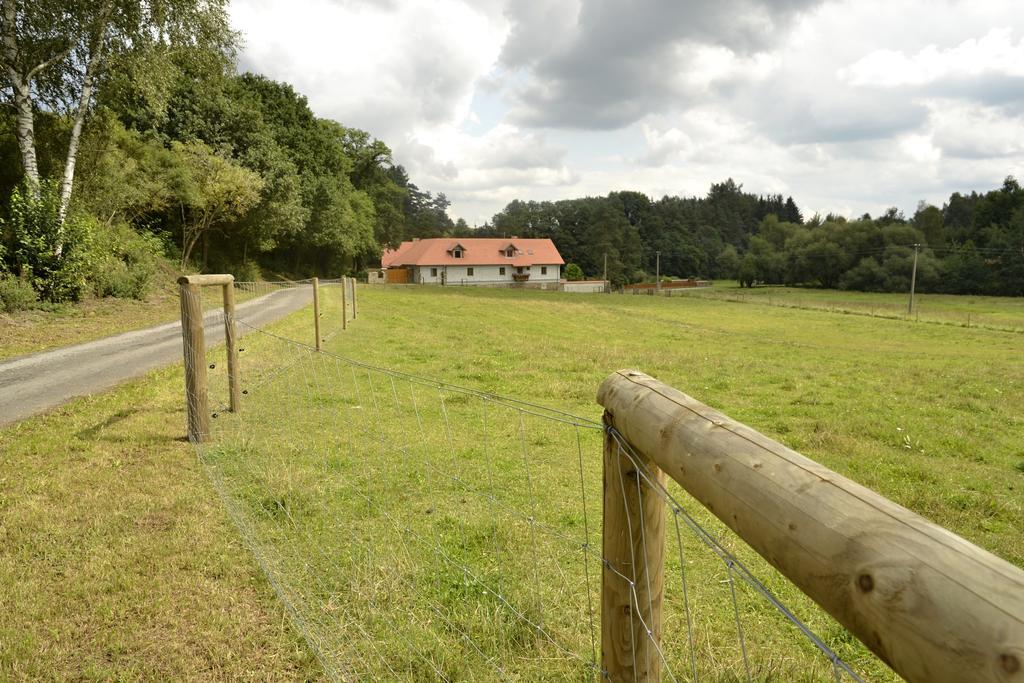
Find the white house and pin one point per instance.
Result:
(474, 261)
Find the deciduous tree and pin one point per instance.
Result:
(52, 52)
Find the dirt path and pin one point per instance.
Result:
(36, 383)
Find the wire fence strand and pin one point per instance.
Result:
(415, 529)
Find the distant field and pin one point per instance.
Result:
(966, 310)
(927, 415)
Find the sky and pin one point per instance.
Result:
(849, 106)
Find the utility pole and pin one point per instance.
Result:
(657, 271)
(606, 289)
(913, 281)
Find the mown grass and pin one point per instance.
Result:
(967, 310)
(117, 562)
(423, 530)
(117, 559)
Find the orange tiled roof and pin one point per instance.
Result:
(479, 251)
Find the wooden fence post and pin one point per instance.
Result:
(633, 547)
(355, 300)
(344, 303)
(931, 605)
(194, 347)
(316, 311)
(231, 341)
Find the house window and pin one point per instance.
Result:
(519, 269)
(469, 272)
(501, 270)
(433, 272)
(457, 253)
(510, 252)
(543, 270)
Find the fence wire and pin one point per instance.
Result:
(418, 530)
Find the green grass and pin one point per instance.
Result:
(398, 511)
(967, 311)
(370, 495)
(117, 559)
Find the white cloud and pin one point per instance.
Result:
(385, 67)
(499, 163)
(994, 53)
(493, 100)
(973, 131)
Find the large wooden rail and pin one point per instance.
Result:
(930, 604)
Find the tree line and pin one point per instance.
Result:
(973, 244)
(130, 137)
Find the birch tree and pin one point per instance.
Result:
(53, 53)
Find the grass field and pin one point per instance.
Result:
(330, 484)
(386, 507)
(949, 309)
(117, 560)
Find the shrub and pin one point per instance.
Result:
(573, 272)
(54, 257)
(123, 261)
(16, 294)
(247, 271)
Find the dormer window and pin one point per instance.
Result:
(457, 253)
(509, 251)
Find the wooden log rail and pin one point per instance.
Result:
(930, 604)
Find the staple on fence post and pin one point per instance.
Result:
(316, 311)
(632, 578)
(194, 348)
(344, 303)
(231, 341)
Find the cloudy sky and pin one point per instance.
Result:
(848, 105)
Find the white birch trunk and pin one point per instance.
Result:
(24, 130)
(68, 181)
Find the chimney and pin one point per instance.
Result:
(515, 237)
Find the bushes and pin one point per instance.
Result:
(573, 272)
(63, 262)
(123, 262)
(16, 294)
(246, 271)
(53, 257)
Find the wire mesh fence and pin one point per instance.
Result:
(418, 530)
(719, 622)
